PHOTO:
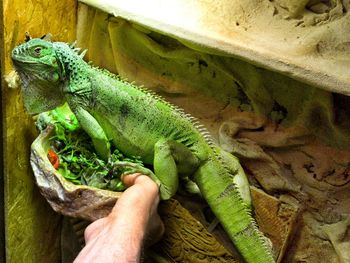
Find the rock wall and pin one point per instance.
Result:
(292, 138)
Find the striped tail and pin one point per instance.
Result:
(220, 192)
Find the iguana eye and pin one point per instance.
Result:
(37, 51)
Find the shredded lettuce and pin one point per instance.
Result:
(78, 162)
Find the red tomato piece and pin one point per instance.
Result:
(53, 158)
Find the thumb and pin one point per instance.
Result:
(130, 179)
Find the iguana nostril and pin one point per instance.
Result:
(15, 52)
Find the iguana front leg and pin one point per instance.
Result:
(129, 168)
(95, 131)
(172, 159)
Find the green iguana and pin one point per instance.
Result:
(141, 123)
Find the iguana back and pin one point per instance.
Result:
(143, 118)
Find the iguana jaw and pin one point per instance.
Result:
(37, 88)
(35, 94)
(30, 69)
(24, 71)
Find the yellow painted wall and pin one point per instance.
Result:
(32, 229)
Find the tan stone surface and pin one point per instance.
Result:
(298, 38)
(317, 178)
(31, 227)
(302, 157)
(225, 86)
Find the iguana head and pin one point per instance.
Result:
(41, 73)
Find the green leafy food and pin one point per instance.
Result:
(80, 164)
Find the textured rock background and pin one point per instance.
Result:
(292, 138)
(307, 40)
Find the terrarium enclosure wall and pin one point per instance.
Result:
(32, 229)
(269, 79)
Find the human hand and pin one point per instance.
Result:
(119, 237)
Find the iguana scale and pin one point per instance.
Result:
(142, 124)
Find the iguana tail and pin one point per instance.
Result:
(217, 187)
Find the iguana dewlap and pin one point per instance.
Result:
(140, 123)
